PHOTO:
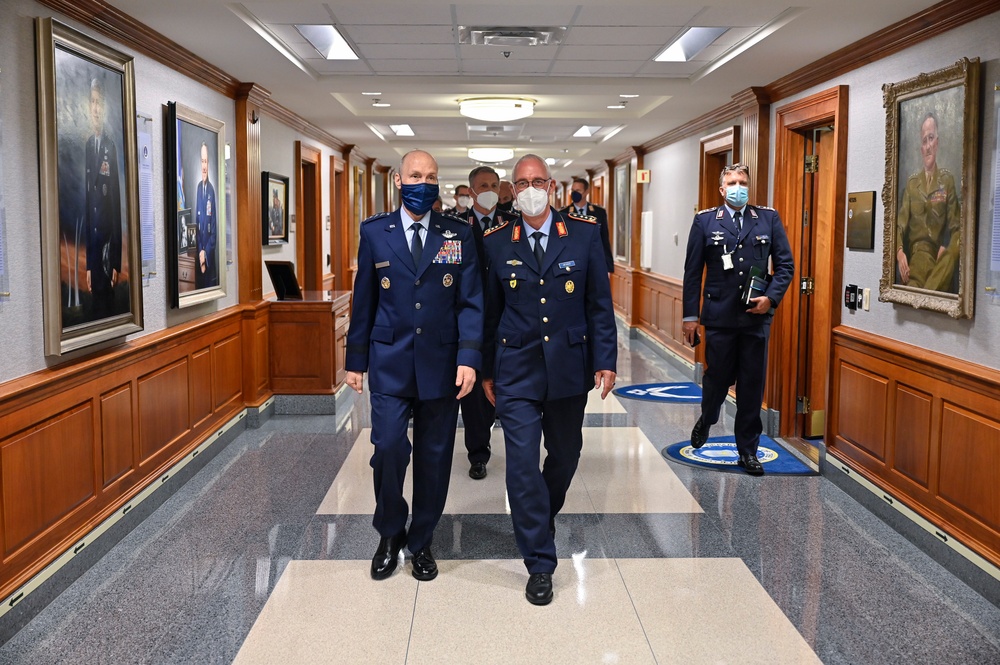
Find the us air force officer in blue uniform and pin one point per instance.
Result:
(206, 218)
(726, 242)
(104, 211)
(416, 328)
(549, 339)
(478, 413)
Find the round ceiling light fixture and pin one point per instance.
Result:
(496, 109)
(490, 155)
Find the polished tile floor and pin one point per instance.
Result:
(263, 558)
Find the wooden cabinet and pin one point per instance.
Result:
(308, 343)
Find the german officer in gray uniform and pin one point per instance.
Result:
(726, 243)
(549, 339)
(416, 328)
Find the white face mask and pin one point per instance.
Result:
(464, 201)
(487, 199)
(533, 202)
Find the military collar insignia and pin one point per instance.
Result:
(561, 229)
(448, 233)
(753, 213)
(516, 235)
(721, 213)
(514, 262)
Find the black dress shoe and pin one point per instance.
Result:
(424, 566)
(477, 471)
(387, 555)
(539, 589)
(699, 434)
(751, 465)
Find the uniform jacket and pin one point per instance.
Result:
(411, 326)
(601, 215)
(499, 217)
(713, 233)
(104, 210)
(547, 330)
(206, 219)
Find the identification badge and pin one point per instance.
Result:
(727, 261)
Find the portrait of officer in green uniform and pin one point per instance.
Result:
(928, 224)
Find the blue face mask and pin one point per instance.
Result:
(576, 196)
(419, 198)
(737, 195)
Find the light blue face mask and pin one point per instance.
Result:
(737, 195)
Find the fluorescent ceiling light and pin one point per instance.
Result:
(490, 154)
(327, 40)
(496, 109)
(689, 44)
(372, 94)
(628, 96)
(550, 161)
(380, 104)
(619, 105)
(783, 19)
(402, 130)
(567, 163)
(266, 34)
(611, 134)
(586, 131)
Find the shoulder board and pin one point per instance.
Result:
(376, 216)
(566, 209)
(942, 171)
(763, 208)
(455, 218)
(582, 218)
(496, 228)
(702, 212)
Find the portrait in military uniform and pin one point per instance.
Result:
(89, 190)
(274, 213)
(197, 253)
(930, 190)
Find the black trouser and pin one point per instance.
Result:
(477, 418)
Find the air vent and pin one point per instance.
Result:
(510, 36)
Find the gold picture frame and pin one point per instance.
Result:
(90, 231)
(929, 197)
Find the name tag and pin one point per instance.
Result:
(381, 264)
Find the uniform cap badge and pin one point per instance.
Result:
(385, 282)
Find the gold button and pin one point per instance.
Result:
(545, 319)
(543, 301)
(546, 338)
(504, 340)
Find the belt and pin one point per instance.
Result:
(927, 246)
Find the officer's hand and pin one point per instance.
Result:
(607, 377)
(904, 266)
(114, 277)
(488, 389)
(761, 305)
(465, 380)
(689, 329)
(88, 281)
(356, 380)
(201, 260)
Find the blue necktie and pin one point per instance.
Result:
(416, 245)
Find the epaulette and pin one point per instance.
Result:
(495, 228)
(702, 212)
(762, 207)
(582, 218)
(379, 215)
(449, 215)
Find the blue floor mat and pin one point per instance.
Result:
(719, 453)
(685, 393)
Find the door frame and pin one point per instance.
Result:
(826, 107)
(308, 209)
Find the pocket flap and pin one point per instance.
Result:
(508, 338)
(383, 334)
(577, 335)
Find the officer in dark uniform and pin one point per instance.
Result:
(549, 339)
(416, 328)
(206, 221)
(726, 242)
(581, 207)
(463, 202)
(478, 413)
(104, 211)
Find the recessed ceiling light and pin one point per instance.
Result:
(586, 131)
(402, 130)
(628, 96)
(449, 186)
(500, 172)
(380, 104)
(328, 41)
(372, 94)
(689, 44)
(491, 155)
(496, 109)
(617, 106)
(551, 161)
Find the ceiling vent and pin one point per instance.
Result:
(510, 36)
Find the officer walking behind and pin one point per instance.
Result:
(549, 339)
(728, 243)
(478, 413)
(416, 328)
(583, 208)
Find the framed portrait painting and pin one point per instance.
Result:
(91, 286)
(274, 212)
(929, 197)
(623, 212)
(196, 220)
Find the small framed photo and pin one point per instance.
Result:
(932, 144)
(91, 265)
(274, 213)
(196, 220)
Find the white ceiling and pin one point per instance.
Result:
(410, 52)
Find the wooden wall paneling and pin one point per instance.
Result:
(117, 428)
(164, 412)
(200, 382)
(302, 347)
(969, 460)
(659, 311)
(911, 439)
(254, 328)
(38, 493)
(309, 211)
(227, 356)
(249, 99)
(862, 415)
(339, 227)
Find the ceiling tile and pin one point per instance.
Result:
(624, 52)
(283, 12)
(471, 52)
(505, 15)
(408, 51)
(406, 66)
(621, 35)
(643, 16)
(400, 14)
(580, 67)
(510, 68)
(747, 15)
(425, 34)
